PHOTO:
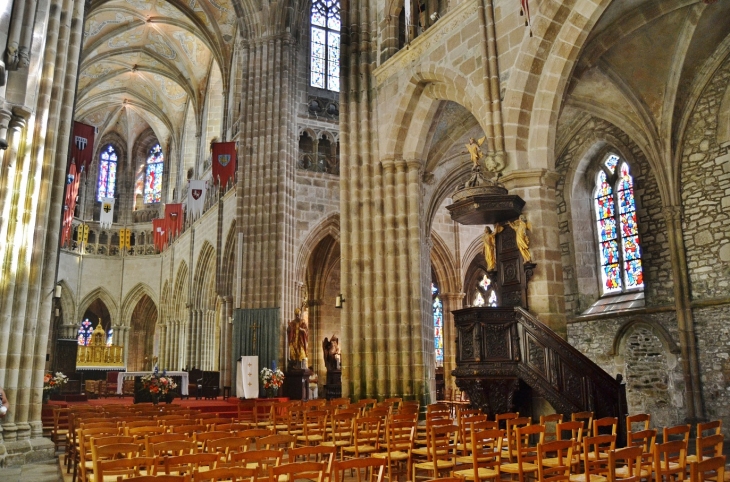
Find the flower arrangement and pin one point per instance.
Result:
(158, 385)
(53, 383)
(272, 379)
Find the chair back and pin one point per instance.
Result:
(187, 464)
(550, 422)
(486, 449)
(643, 419)
(630, 458)
(559, 451)
(126, 468)
(321, 453)
(678, 432)
(606, 425)
(279, 441)
(714, 427)
(670, 461)
(366, 469)
(298, 470)
(595, 454)
(587, 419)
(712, 469)
(709, 446)
(261, 459)
(233, 474)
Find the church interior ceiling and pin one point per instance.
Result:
(145, 62)
(640, 64)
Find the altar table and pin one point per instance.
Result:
(183, 385)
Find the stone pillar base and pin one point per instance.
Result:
(21, 452)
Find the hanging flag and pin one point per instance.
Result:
(106, 216)
(196, 198)
(83, 145)
(174, 218)
(125, 239)
(69, 203)
(224, 162)
(82, 234)
(159, 234)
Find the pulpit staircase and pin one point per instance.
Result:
(506, 355)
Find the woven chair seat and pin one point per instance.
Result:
(482, 473)
(514, 468)
(394, 455)
(582, 478)
(363, 449)
(442, 464)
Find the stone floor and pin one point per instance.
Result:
(47, 471)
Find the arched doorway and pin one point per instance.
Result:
(142, 335)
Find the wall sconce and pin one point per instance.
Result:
(57, 291)
(339, 300)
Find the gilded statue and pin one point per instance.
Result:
(489, 238)
(521, 225)
(298, 336)
(474, 149)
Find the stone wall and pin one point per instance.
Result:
(713, 348)
(580, 263)
(705, 184)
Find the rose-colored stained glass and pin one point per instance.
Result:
(153, 176)
(107, 173)
(85, 331)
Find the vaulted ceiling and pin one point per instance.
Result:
(144, 62)
(642, 66)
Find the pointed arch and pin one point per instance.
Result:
(132, 299)
(444, 264)
(329, 226)
(180, 293)
(102, 294)
(204, 274)
(228, 261)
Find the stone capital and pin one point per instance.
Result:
(672, 214)
(388, 165)
(531, 178)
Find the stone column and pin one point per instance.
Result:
(451, 301)
(685, 318)
(545, 290)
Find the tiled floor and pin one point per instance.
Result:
(48, 471)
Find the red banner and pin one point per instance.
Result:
(224, 162)
(82, 145)
(173, 219)
(159, 234)
(69, 203)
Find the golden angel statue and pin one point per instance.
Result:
(474, 149)
(489, 239)
(521, 225)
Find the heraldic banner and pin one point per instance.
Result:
(106, 216)
(73, 179)
(159, 231)
(82, 149)
(196, 198)
(224, 161)
(174, 218)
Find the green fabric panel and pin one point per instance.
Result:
(267, 337)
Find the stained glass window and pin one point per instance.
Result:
(85, 331)
(438, 325)
(107, 173)
(325, 45)
(616, 227)
(153, 176)
(485, 294)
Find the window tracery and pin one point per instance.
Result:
(616, 227)
(153, 175)
(107, 173)
(325, 45)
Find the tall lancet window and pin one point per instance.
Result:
(325, 43)
(617, 229)
(153, 175)
(107, 173)
(438, 325)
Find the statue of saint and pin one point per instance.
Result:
(298, 336)
(521, 226)
(331, 351)
(474, 149)
(489, 239)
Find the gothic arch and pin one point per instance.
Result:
(228, 262)
(532, 100)
(443, 263)
(329, 226)
(205, 271)
(102, 294)
(132, 299)
(68, 303)
(180, 303)
(654, 327)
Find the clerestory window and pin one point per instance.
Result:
(325, 45)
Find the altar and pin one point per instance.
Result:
(183, 385)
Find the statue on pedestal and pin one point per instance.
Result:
(521, 225)
(331, 350)
(298, 336)
(489, 238)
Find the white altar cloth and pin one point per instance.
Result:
(247, 377)
(183, 383)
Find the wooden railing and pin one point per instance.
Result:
(504, 355)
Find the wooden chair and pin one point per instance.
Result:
(678, 432)
(560, 453)
(707, 448)
(714, 427)
(365, 439)
(260, 460)
(625, 465)
(279, 441)
(587, 419)
(159, 478)
(639, 418)
(509, 445)
(60, 431)
(227, 446)
(105, 451)
(341, 430)
(595, 458)
(187, 464)
(551, 422)
(189, 430)
(320, 453)
(501, 419)
(83, 465)
(233, 474)
(439, 456)
(464, 422)
(172, 448)
(526, 453)
(670, 461)
(298, 470)
(315, 428)
(398, 447)
(262, 415)
(485, 455)
(572, 430)
(646, 440)
(605, 425)
(112, 470)
(712, 469)
(366, 469)
(203, 439)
